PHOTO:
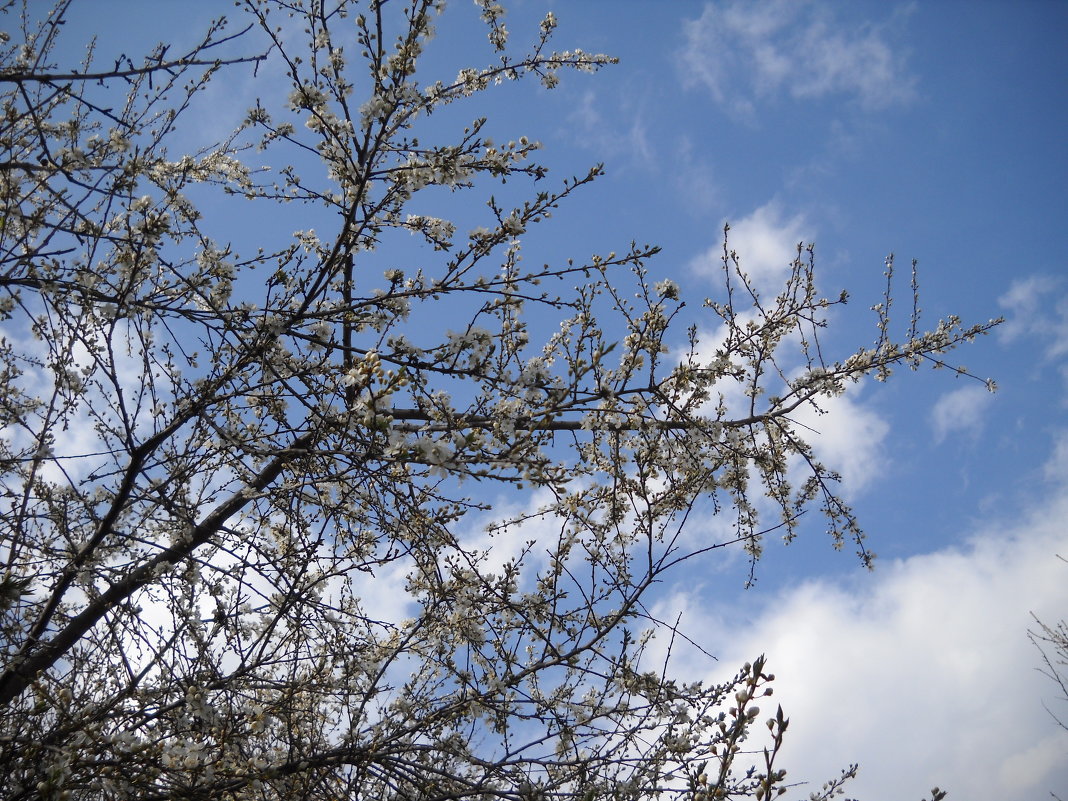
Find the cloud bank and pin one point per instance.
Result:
(921, 672)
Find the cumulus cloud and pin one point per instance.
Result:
(766, 243)
(960, 411)
(743, 52)
(847, 437)
(921, 672)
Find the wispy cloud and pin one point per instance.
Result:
(695, 178)
(743, 52)
(1037, 306)
(1056, 467)
(960, 411)
(622, 132)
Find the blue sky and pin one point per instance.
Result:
(931, 130)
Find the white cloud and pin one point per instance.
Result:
(743, 52)
(530, 540)
(846, 437)
(1036, 307)
(961, 410)
(1056, 467)
(766, 244)
(921, 672)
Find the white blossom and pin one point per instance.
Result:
(667, 289)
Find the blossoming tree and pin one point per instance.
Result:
(239, 467)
